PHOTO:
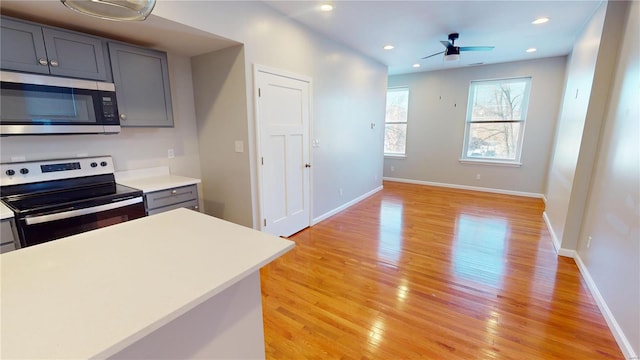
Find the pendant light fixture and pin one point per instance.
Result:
(125, 10)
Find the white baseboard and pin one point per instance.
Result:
(554, 239)
(465, 187)
(345, 206)
(617, 332)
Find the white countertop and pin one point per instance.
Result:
(93, 294)
(5, 212)
(153, 179)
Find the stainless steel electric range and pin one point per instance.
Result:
(52, 199)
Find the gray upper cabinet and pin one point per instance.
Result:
(74, 55)
(32, 48)
(22, 47)
(141, 77)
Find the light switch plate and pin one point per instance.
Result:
(239, 146)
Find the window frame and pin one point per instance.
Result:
(406, 122)
(524, 109)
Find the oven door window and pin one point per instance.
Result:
(46, 231)
(38, 104)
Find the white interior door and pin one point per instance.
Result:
(283, 122)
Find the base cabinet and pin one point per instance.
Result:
(169, 199)
(8, 236)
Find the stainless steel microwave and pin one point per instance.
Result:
(39, 104)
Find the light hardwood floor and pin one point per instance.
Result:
(434, 273)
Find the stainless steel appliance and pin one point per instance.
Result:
(57, 198)
(40, 104)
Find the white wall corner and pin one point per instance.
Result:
(617, 332)
(345, 206)
(554, 239)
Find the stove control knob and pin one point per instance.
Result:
(10, 172)
(94, 164)
(24, 171)
(104, 163)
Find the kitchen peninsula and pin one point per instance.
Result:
(179, 284)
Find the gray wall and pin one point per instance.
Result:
(133, 148)
(612, 215)
(219, 88)
(348, 89)
(437, 114)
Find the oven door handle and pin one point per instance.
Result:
(79, 212)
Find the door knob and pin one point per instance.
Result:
(307, 165)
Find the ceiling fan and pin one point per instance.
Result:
(453, 52)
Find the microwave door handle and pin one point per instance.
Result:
(79, 212)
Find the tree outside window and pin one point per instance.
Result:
(395, 131)
(495, 119)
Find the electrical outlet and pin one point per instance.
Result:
(589, 241)
(393, 168)
(171, 154)
(340, 191)
(477, 176)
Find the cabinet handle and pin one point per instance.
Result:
(173, 192)
(123, 117)
(43, 62)
(53, 63)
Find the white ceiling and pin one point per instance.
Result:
(415, 28)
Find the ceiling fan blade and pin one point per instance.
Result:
(476, 48)
(426, 57)
(445, 43)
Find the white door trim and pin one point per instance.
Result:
(266, 69)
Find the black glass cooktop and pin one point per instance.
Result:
(43, 197)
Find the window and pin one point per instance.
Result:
(496, 114)
(395, 122)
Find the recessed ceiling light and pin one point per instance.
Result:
(530, 50)
(326, 7)
(416, 65)
(388, 47)
(539, 21)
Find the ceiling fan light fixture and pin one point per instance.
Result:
(452, 57)
(123, 10)
(452, 53)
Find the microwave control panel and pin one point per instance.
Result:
(109, 108)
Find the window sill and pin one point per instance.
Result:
(392, 156)
(491, 162)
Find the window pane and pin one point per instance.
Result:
(498, 100)
(493, 141)
(395, 136)
(397, 104)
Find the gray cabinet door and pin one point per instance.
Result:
(74, 55)
(22, 47)
(7, 236)
(141, 77)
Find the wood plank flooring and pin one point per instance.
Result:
(433, 273)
